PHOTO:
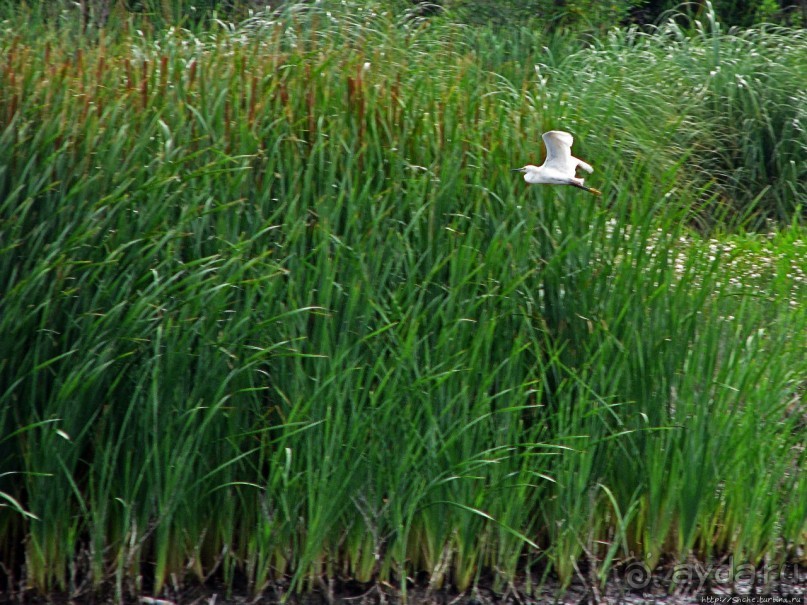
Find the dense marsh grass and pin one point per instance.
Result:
(275, 311)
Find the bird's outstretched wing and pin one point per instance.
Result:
(558, 150)
(584, 165)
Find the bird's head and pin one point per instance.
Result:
(527, 168)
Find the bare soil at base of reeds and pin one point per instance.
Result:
(696, 584)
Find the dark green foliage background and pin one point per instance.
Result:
(546, 14)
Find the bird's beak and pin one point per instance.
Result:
(517, 170)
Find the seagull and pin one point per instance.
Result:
(560, 165)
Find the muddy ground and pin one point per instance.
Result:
(678, 585)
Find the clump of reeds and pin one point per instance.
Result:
(274, 309)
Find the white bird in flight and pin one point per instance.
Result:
(560, 165)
